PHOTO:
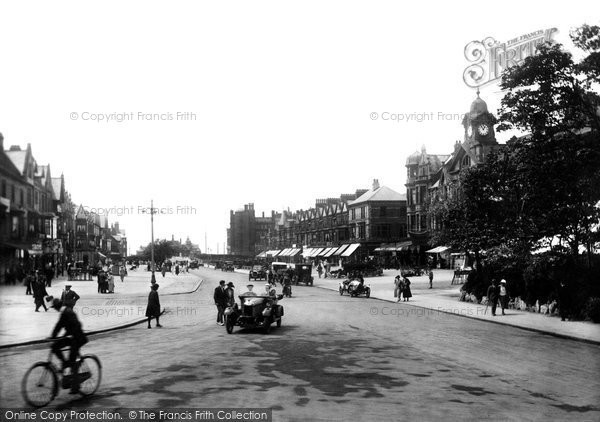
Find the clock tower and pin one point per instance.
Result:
(480, 137)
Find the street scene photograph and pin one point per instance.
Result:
(299, 211)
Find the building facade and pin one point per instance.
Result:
(434, 178)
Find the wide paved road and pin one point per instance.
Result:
(335, 358)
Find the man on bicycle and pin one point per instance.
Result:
(74, 338)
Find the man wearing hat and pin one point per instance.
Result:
(220, 298)
(69, 297)
(230, 294)
(249, 292)
(503, 296)
(74, 338)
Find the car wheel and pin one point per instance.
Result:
(368, 293)
(229, 325)
(341, 291)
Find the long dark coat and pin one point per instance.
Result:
(153, 308)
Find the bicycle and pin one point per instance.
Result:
(40, 383)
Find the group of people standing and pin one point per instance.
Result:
(402, 288)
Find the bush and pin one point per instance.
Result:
(592, 309)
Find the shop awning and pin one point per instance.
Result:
(262, 255)
(340, 250)
(294, 252)
(316, 252)
(326, 251)
(439, 249)
(101, 255)
(272, 252)
(306, 252)
(351, 249)
(331, 252)
(285, 252)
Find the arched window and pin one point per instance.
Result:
(466, 162)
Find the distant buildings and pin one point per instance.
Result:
(358, 222)
(38, 220)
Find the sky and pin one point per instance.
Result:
(203, 107)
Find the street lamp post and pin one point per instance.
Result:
(153, 278)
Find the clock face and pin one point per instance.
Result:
(483, 129)
(469, 131)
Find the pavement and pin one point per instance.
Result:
(20, 324)
(443, 298)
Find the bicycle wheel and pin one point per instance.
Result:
(89, 371)
(40, 384)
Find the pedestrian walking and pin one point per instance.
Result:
(177, 269)
(122, 272)
(430, 278)
(229, 291)
(153, 308)
(492, 295)
(564, 301)
(397, 291)
(69, 297)
(29, 279)
(100, 281)
(220, 298)
(110, 283)
(503, 294)
(320, 269)
(406, 293)
(163, 269)
(49, 273)
(39, 293)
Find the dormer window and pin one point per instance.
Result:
(466, 162)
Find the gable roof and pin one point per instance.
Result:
(382, 193)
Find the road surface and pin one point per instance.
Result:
(334, 358)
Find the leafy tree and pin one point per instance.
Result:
(552, 98)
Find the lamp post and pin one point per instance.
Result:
(153, 278)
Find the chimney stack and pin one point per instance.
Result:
(375, 184)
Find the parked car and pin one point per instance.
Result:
(254, 312)
(194, 265)
(257, 272)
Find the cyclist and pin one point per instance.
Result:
(74, 338)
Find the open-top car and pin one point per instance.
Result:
(254, 312)
(354, 288)
(257, 272)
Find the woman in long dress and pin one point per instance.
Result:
(153, 308)
(407, 294)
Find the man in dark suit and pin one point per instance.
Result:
(69, 297)
(220, 298)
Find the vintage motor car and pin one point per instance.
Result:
(303, 274)
(228, 266)
(257, 273)
(354, 288)
(254, 312)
